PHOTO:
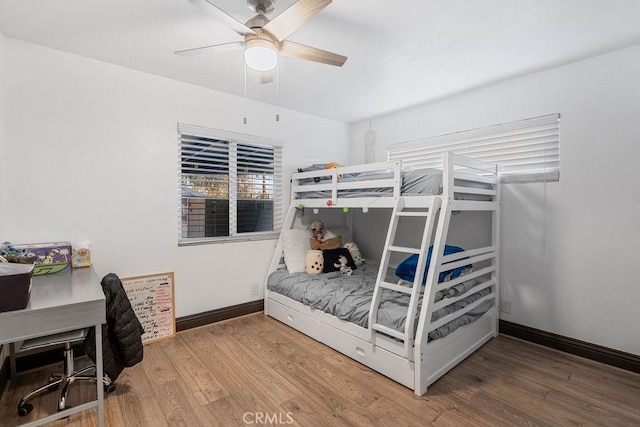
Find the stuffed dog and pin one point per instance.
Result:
(317, 230)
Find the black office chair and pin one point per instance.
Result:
(66, 378)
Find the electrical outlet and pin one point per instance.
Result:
(505, 307)
(254, 289)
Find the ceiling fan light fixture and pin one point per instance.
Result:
(261, 54)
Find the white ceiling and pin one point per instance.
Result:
(401, 53)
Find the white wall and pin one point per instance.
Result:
(93, 155)
(569, 266)
(2, 139)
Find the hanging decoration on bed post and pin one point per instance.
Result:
(370, 145)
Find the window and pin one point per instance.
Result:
(230, 186)
(527, 150)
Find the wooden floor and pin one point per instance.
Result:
(256, 371)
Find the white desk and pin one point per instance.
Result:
(61, 302)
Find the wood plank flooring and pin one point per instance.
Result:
(255, 370)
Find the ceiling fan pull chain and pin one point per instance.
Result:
(277, 93)
(244, 67)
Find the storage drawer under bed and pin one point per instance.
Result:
(389, 364)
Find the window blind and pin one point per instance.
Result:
(526, 150)
(254, 182)
(230, 184)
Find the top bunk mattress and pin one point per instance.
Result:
(426, 182)
(415, 182)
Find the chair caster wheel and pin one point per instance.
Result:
(24, 409)
(110, 388)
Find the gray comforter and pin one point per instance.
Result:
(426, 182)
(349, 298)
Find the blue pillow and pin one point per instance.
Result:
(407, 268)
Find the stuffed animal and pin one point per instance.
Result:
(317, 231)
(355, 253)
(334, 165)
(314, 262)
(342, 264)
(320, 233)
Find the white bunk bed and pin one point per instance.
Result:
(405, 354)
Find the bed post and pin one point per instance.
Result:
(277, 253)
(439, 242)
(495, 241)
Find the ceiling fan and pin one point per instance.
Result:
(264, 39)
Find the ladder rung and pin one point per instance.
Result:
(396, 334)
(397, 288)
(412, 213)
(404, 249)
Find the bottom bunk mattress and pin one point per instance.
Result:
(349, 298)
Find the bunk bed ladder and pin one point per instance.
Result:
(427, 211)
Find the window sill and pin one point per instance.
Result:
(229, 239)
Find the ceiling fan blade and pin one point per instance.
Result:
(223, 16)
(266, 77)
(224, 47)
(283, 25)
(297, 50)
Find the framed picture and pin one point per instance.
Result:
(153, 301)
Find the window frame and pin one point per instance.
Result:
(234, 139)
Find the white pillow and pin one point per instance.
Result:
(295, 244)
